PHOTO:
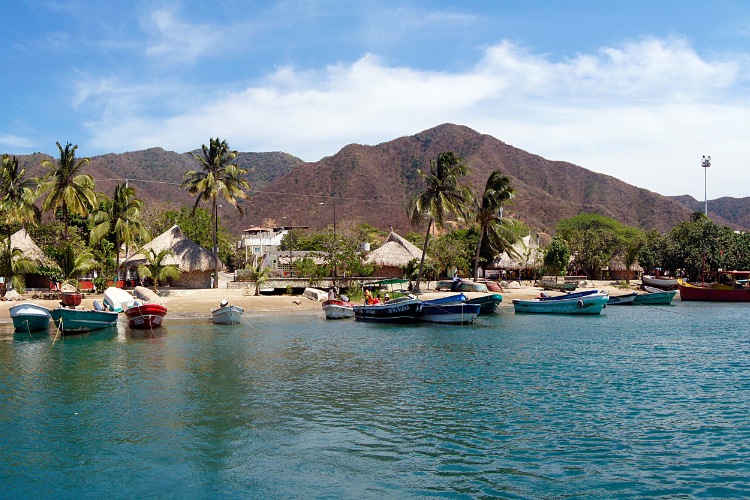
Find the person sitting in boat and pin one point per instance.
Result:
(369, 299)
(224, 303)
(331, 293)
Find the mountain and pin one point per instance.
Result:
(375, 183)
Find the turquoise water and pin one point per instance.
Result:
(642, 401)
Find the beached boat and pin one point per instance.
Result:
(452, 309)
(731, 287)
(117, 299)
(147, 315)
(227, 314)
(487, 303)
(655, 297)
(70, 296)
(398, 310)
(561, 286)
(588, 304)
(569, 295)
(661, 283)
(70, 320)
(338, 309)
(622, 300)
(30, 316)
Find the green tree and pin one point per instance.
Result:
(694, 247)
(442, 195)
(219, 177)
(557, 256)
(454, 249)
(498, 233)
(156, 269)
(17, 195)
(120, 218)
(13, 266)
(651, 254)
(259, 274)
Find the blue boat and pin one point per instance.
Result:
(78, 321)
(398, 310)
(452, 309)
(29, 316)
(569, 295)
(587, 304)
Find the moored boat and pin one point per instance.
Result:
(147, 315)
(398, 310)
(569, 295)
(338, 309)
(487, 303)
(588, 304)
(227, 314)
(661, 283)
(30, 316)
(622, 300)
(655, 297)
(731, 287)
(70, 320)
(117, 299)
(452, 309)
(70, 296)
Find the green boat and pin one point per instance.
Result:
(79, 321)
(487, 303)
(561, 286)
(658, 298)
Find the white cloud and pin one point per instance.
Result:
(13, 141)
(644, 112)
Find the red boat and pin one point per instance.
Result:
(731, 287)
(145, 315)
(71, 299)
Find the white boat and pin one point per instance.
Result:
(338, 309)
(30, 316)
(622, 300)
(117, 299)
(227, 314)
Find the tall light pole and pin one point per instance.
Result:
(705, 163)
(290, 244)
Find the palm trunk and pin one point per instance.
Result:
(424, 251)
(214, 249)
(476, 255)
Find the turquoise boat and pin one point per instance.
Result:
(662, 297)
(587, 304)
(79, 321)
(30, 316)
(487, 303)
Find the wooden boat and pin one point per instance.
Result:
(399, 310)
(338, 309)
(732, 287)
(569, 295)
(655, 296)
(30, 316)
(622, 300)
(661, 283)
(147, 315)
(117, 299)
(452, 309)
(70, 296)
(587, 304)
(487, 303)
(79, 320)
(560, 286)
(462, 286)
(227, 314)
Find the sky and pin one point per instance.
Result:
(639, 90)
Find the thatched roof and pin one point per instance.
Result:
(187, 255)
(21, 240)
(529, 255)
(395, 252)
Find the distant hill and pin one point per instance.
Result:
(374, 184)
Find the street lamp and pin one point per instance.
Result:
(705, 163)
(290, 244)
(216, 246)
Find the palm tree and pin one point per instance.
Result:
(259, 274)
(218, 177)
(17, 195)
(442, 195)
(14, 265)
(156, 269)
(66, 187)
(121, 218)
(497, 232)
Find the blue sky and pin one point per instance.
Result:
(639, 90)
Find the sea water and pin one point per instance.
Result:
(638, 402)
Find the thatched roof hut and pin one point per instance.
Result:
(194, 262)
(21, 240)
(393, 256)
(529, 255)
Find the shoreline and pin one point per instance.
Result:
(197, 304)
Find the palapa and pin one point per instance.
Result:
(528, 254)
(187, 255)
(395, 252)
(22, 241)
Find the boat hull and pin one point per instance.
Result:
(338, 309)
(661, 283)
(117, 299)
(663, 298)
(622, 300)
(227, 315)
(559, 286)
(455, 314)
(716, 293)
(71, 299)
(70, 321)
(145, 315)
(393, 311)
(30, 316)
(488, 303)
(589, 304)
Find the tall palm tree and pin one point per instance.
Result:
(121, 218)
(66, 186)
(442, 195)
(497, 232)
(218, 177)
(156, 269)
(17, 195)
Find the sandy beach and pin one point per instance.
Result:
(198, 303)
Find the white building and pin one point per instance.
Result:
(258, 241)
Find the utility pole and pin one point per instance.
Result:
(705, 163)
